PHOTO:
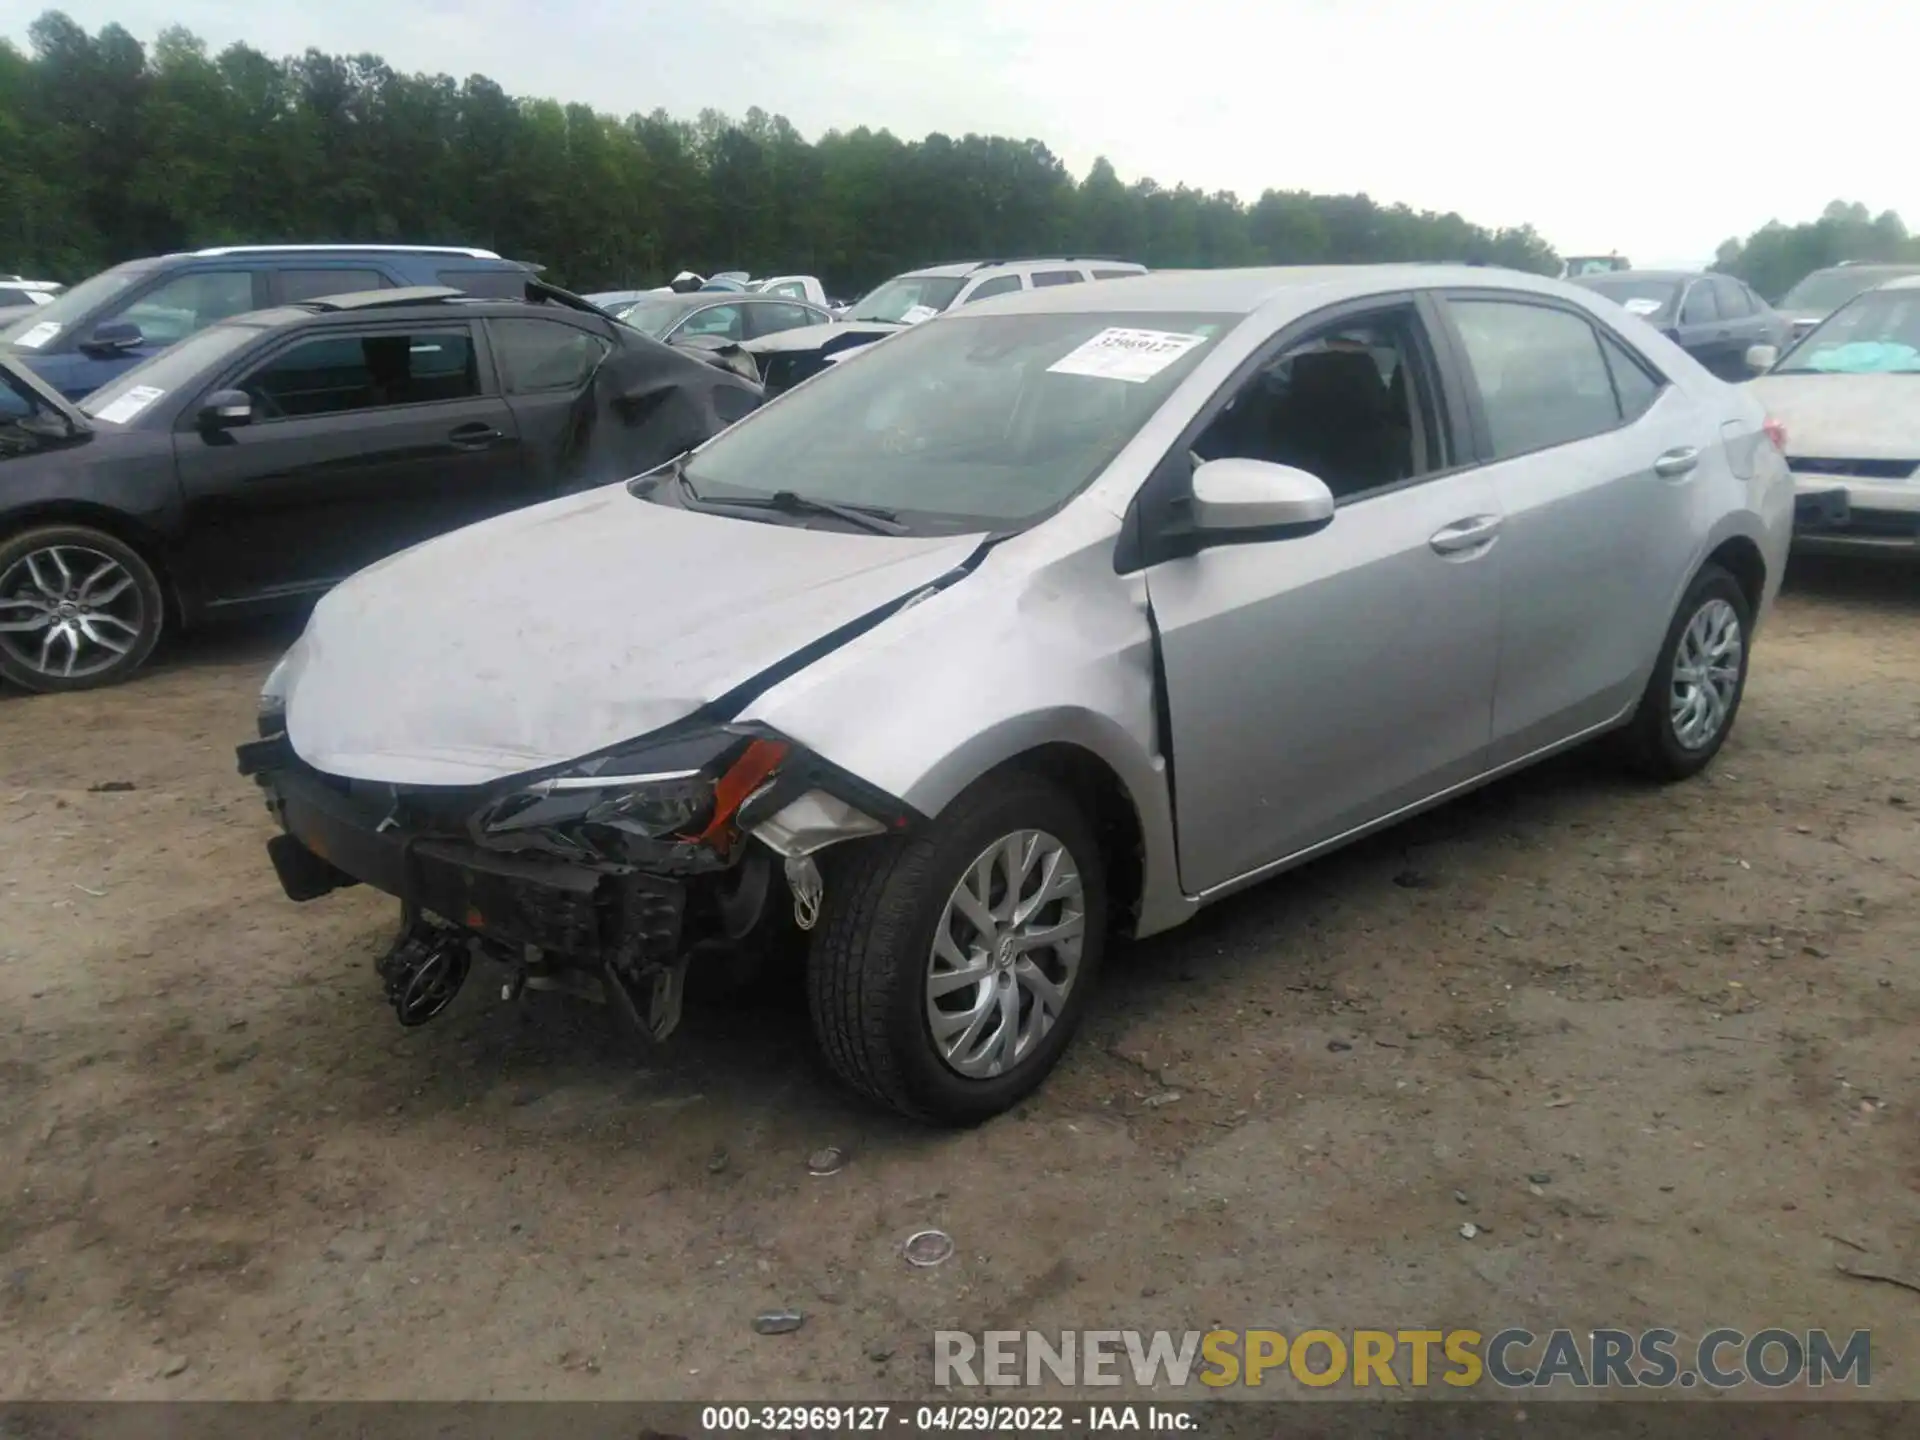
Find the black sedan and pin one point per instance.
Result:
(267, 457)
(1714, 318)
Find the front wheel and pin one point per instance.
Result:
(949, 970)
(1690, 701)
(78, 608)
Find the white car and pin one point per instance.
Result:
(794, 287)
(1849, 395)
(17, 293)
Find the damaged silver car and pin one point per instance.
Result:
(1048, 622)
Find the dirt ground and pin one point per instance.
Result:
(230, 1174)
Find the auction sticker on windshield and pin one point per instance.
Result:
(125, 407)
(1121, 354)
(1641, 305)
(38, 335)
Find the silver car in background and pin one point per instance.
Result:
(1048, 622)
(1824, 291)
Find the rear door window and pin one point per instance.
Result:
(1732, 298)
(1699, 307)
(999, 285)
(1056, 277)
(1634, 383)
(500, 284)
(296, 285)
(724, 321)
(1542, 378)
(771, 319)
(536, 355)
(1114, 274)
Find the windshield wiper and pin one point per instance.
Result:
(789, 502)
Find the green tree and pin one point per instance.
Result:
(1774, 258)
(110, 150)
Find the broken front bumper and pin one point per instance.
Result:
(631, 924)
(333, 839)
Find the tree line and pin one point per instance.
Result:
(111, 149)
(1776, 256)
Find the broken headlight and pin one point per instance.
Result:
(637, 800)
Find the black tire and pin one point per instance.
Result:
(1650, 742)
(867, 966)
(139, 610)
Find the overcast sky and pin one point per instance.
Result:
(1657, 129)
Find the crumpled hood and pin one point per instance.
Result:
(1846, 417)
(558, 630)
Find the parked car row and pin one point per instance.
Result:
(1714, 318)
(272, 453)
(86, 336)
(790, 355)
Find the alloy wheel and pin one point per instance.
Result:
(1005, 954)
(1706, 674)
(69, 611)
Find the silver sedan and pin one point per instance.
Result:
(1042, 624)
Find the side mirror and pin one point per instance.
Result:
(1257, 500)
(116, 337)
(225, 409)
(1762, 358)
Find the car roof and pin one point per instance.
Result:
(422, 302)
(1241, 292)
(464, 252)
(1909, 280)
(969, 267)
(693, 298)
(1674, 275)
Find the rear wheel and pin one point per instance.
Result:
(78, 608)
(1688, 708)
(949, 970)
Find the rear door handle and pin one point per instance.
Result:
(1463, 537)
(475, 436)
(1677, 461)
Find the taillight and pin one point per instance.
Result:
(1777, 433)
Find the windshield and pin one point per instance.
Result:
(39, 326)
(127, 394)
(1827, 290)
(1646, 298)
(1875, 333)
(653, 316)
(908, 299)
(975, 423)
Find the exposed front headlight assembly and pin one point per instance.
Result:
(660, 800)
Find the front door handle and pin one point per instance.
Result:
(476, 436)
(1462, 537)
(1678, 461)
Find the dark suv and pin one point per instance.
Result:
(270, 455)
(104, 325)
